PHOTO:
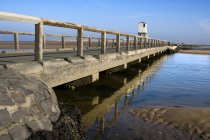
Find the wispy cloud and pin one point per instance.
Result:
(140, 15)
(205, 25)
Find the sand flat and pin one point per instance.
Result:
(191, 120)
(195, 51)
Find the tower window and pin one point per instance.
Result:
(144, 25)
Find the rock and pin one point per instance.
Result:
(5, 99)
(46, 106)
(19, 114)
(5, 137)
(5, 119)
(19, 132)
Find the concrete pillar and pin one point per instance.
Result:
(140, 42)
(102, 124)
(145, 43)
(116, 111)
(44, 42)
(127, 43)
(63, 42)
(118, 43)
(89, 42)
(103, 43)
(39, 41)
(16, 41)
(95, 77)
(135, 43)
(80, 42)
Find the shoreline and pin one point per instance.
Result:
(205, 52)
(191, 120)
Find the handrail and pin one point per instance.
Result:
(40, 36)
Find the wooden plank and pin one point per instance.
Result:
(44, 42)
(63, 42)
(18, 18)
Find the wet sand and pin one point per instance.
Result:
(195, 51)
(191, 120)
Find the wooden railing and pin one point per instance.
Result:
(40, 36)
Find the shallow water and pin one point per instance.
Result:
(172, 80)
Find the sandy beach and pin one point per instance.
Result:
(191, 120)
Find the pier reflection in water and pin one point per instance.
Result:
(112, 93)
(172, 80)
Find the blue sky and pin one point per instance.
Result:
(174, 20)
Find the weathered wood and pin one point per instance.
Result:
(118, 43)
(113, 42)
(44, 42)
(80, 42)
(103, 42)
(127, 43)
(19, 18)
(63, 42)
(89, 42)
(99, 42)
(16, 41)
(39, 41)
(135, 43)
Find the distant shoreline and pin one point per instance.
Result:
(207, 52)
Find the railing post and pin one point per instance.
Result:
(99, 43)
(113, 43)
(135, 43)
(44, 42)
(145, 42)
(127, 43)
(140, 42)
(63, 42)
(103, 42)
(39, 41)
(16, 41)
(80, 41)
(118, 43)
(89, 42)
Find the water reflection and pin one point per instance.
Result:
(100, 97)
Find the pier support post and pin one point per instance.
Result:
(39, 41)
(118, 43)
(63, 42)
(16, 41)
(127, 43)
(99, 43)
(80, 42)
(103, 43)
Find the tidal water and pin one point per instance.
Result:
(171, 80)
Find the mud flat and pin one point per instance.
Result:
(195, 51)
(191, 120)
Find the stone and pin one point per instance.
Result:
(19, 114)
(17, 96)
(46, 106)
(34, 125)
(5, 100)
(5, 119)
(5, 137)
(19, 132)
(75, 60)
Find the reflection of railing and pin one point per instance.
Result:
(39, 35)
(140, 81)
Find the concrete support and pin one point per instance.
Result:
(127, 43)
(135, 43)
(103, 43)
(118, 43)
(95, 77)
(44, 42)
(102, 123)
(140, 42)
(39, 41)
(63, 42)
(116, 111)
(16, 41)
(80, 42)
